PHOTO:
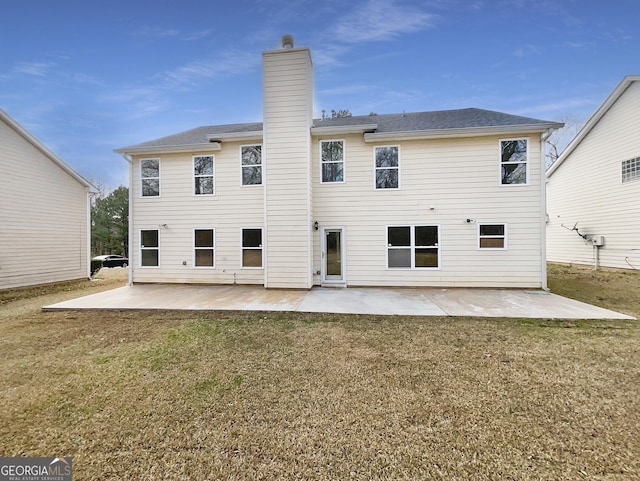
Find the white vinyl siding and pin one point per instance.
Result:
(587, 190)
(43, 216)
(444, 182)
(150, 177)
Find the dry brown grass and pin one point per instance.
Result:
(182, 396)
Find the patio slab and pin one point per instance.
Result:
(514, 303)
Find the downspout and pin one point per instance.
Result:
(543, 210)
(128, 158)
(88, 254)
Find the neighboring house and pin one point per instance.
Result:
(447, 198)
(593, 188)
(44, 212)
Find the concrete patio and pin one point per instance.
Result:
(513, 303)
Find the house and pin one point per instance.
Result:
(44, 212)
(446, 198)
(593, 188)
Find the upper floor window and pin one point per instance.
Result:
(150, 177)
(203, 247)
(332, 160)
(631, 170)
(203, 174)
(387, 167)
(514, 161)
(251, 156)
(149, 248)
(492, 236)
(413, 247)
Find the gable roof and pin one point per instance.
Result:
(24, 133)
(593, 120)
(437, 124)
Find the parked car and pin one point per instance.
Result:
(112, 261)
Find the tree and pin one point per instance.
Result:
(561, 138)
(110, 223)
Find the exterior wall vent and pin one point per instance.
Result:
(287, 41)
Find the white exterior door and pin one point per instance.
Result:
(333, 258)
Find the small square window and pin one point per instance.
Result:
(492, 236)
(631, 170)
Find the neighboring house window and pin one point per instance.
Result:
(251, 164)
(251, 247)
(631, 170)
(413, 247)
(332, 160)
(203, 174)
(514, 161)
(492, 236)
(150, 177)
(387, 167)
(203, 248)
(149, 248)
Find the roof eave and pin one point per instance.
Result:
(170, 149)
(461, 132)
(251, 135)
(343, 129)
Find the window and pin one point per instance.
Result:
(492, 236)
(513, 161)
(631, 170)
(203, 248)
(251, 156)
(332, 160)
(203, 174)
(149, 248)
(251, 247)
(387, 167)
(150, 177)
(413, 247)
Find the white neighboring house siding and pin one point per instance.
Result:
(587, 189)
(288, 104)
(230, 209)
(44, 213)
(442, 182)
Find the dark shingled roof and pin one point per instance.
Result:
(405, 122)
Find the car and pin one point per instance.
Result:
(112, 260)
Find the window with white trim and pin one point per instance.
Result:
(492, 236)
(332, 160)
(203, 170)
(387, 161)
(251, 159)
(150, 177)
(149, 248)
(514, 161)
(631, 170)
(252, 247)
(413, 247)
(203, 247)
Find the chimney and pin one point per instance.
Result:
(287, 41)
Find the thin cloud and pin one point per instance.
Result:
(527, 51)
(381, 20)
(38, 69)
(158, 32)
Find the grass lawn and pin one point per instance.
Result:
(232, 396)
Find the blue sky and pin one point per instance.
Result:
(89, 76)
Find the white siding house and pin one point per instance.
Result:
(447, 198)
(44, 212)
(594, 187)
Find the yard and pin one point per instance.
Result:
(232, 396)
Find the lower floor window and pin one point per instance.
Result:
(492, 236)
(251, 247)
(413, 247)
(203, 245)
(149, 248)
